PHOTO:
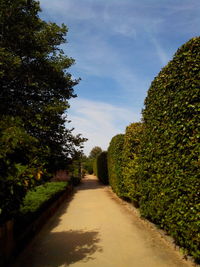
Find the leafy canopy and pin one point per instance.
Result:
(35, 89)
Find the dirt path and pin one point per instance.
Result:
(94, 229)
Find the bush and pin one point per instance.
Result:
(37, 200)
(75, 180)
(115, 164)
(95, 166)
(169, 166)
(88, 165)
(131, 150)
(83, 173)
(102, 168)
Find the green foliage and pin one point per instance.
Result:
(34, 79)
(102, 168)
(20, 165)
(75, 169)
(115, 164)
(88, 165)
(75, 180)
(95, 152)
(131, 152)
(95, 165)
(169, 166)
(35, 89)
(37, 200)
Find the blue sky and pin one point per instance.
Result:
(119, 47)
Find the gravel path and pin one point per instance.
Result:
(96, 229)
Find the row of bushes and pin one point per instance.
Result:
(156, 163)
(36, 201)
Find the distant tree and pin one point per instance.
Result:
(95, 152)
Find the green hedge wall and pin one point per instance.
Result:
(102, 168)
(95, 166)
(131, 150)
(115, 164)
(169, 166)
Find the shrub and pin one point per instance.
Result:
(131, 150)
(102, 168)
(20, 165)
(37, 200)
(169, 166)
(90, 170)
(75, 180)
(88, 165)
(83, 173)
(115, 164)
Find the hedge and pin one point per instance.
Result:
(95, 166)
(102, 168)
(169, 166)
(115, 164)
(131, 150)
(37, 200)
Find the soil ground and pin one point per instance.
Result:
(96, 229)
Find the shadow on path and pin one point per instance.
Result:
(88, 183)
(62, 248)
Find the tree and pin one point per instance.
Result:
(95, 152)
(35, 89)
(34, 81)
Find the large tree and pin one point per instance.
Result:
(35, 89)
(34, 79)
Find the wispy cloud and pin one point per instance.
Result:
(99, 121)
(162, 55)
(125, 42)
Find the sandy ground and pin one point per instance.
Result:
(96, 229)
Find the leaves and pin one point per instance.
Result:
(35, 89)
(115, 164)
(102, 168)
(169, 173)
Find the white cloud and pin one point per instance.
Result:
(70, 9)
(99, 121)
(162, 55)
(98, 57)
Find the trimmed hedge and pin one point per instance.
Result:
(37, 200)
(95, 166)
(102, 168)
(169, 166)
(131, 150)
(115, 164)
